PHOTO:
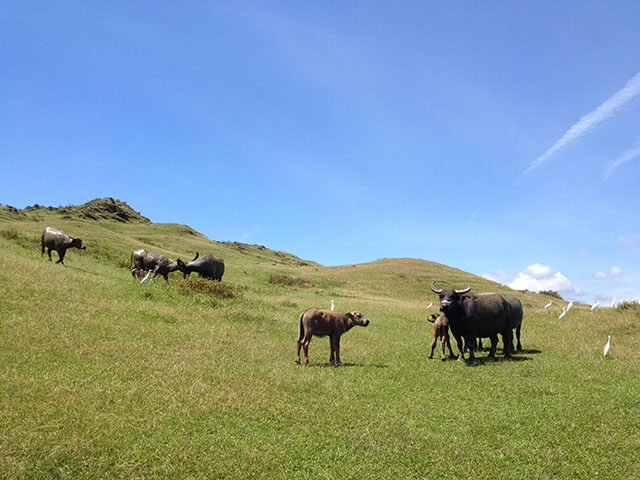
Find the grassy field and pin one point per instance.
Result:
(101, 377)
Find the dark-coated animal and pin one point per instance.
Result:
(54, 239)
(153, 262)
(516, 320)
(476, 315)
(207, 266)
(440, 332)
(326, 323)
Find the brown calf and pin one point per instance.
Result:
(440, 331)
(323, 323)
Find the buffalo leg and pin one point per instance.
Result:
(449, 345)
(332, 344)
(507, 341)
(433, 346)
(494, 345)
(443, 339)
(518, 338)
(336, 343)
(460, 347)
(61, 255)
(298, 345)
(49, 253)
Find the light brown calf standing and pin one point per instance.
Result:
(323, 323)
(440, 331)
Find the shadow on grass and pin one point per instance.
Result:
(492, 360)
(348, 365)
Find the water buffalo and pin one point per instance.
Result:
(157, 264)
(476, 315)
(326, 323)
(207, 266)
(440, 332)
(516, 320)
(53, 239)
(516, 317)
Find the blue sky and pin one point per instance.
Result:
(501, 138)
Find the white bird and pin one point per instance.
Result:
(613, 302)
(607, 346)
(332, 306)
(564, 312)
(570, 305)
(595, 305)
(547, 305)
(430, 305)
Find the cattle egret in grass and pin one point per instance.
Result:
(146, 276)
(607, 346)
(430, 305)
(613, 302)
(570, 305)
(332, 306)
(547, 305)
(594, 306)
(564, 312)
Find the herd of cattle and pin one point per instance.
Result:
(207, 266)
(469, 316)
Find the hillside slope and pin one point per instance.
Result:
(103, 377)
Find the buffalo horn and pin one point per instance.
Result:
(433, 287)
(460, 292)
(195, 256)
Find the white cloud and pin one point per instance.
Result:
(614, 272)
(538, 271)
(535, 278)
(631, 242)
(592, 119)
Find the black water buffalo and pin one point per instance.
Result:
(440, 332)
(516, 320)
(153, 262)
(207, 266)
(326, 323)
(54, 239)
(516, 317)
(476, 315)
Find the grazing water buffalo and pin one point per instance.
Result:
(207, 266)
(157, 264)
(325, 323)
(53, 239)
(476, 315)
(440, 332)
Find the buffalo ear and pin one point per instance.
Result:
(350, 315)
(432, 318)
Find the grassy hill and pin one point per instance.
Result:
(101, 377)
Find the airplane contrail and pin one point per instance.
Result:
(624, 157)
(592, 119)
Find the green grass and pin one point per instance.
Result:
(101, 377)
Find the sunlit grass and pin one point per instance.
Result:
(102, 377)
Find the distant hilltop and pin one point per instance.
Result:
(99, 209)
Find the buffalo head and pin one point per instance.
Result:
(77, 243)
(358, 318)
(184, 268)
(448, 296)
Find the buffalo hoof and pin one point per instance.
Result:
(297, 362)
(443, 358)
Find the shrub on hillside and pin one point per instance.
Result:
(629, 306)
(282, 279)
(9, 233)
(551, 293)
(201, 285)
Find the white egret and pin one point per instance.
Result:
(332, 306)
(547, 305)
(564, 312)
(613, 302)
(570, 305)
(595, 305)
(430, 305)
(607, 346)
